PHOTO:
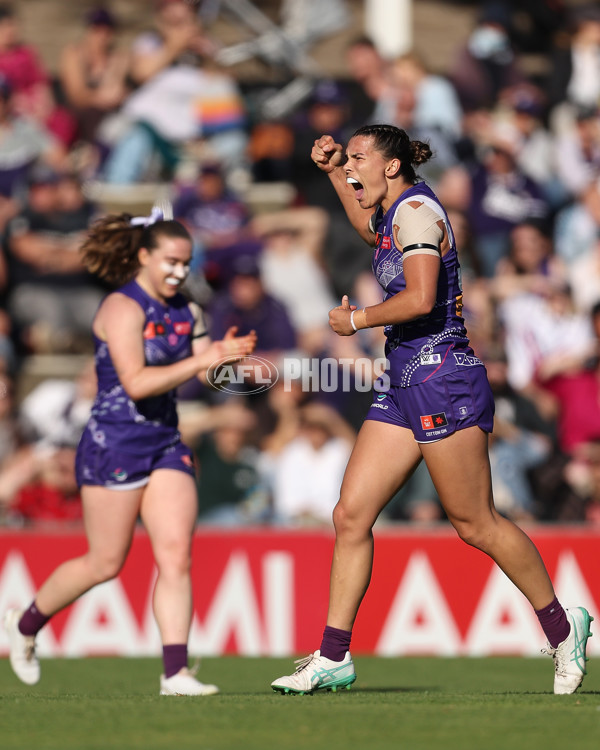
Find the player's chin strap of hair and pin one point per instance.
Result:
(157, 214)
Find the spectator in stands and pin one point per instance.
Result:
(30, 81)
(213, 214)
(574, 78)
(577, 152)
(427, 106)
(93, 71)
(184, 102)
(500, 196)
(573, 381)
(437, 107)
(292, 271)
(522, 439)
(327, 112)
(22, 143)
(51, 298)
(577, 225)
(486, 66)
(307, 473)
(367, 84)
(539, 325)
(231, 490)
(572, 378)
(177, 39)
(244, 303)
(584, 277)
(522, 112)
(38, 482)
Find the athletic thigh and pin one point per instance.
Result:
(459, 466)
(109, 518)
(169, 510)
(383, 458)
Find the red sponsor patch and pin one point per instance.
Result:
(152, 330)
(431, 421)
(182, 328)
(386, 243)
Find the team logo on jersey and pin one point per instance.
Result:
(431, 421)
(154, 329)
(381, 396)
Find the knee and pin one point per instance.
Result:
(106, 568)
(173, 559)
(474, 534)
(348, 521)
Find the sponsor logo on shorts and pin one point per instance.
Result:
(463, 411)
(433, 421)
(431, 359)
(187, 460)
(466, 360)
(119, 474)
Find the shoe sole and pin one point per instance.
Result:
(330, 688)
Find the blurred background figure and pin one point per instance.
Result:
(306, 475)
(37, 480)
(93, 73)
(51, 298)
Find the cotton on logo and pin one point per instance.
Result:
(250, 375)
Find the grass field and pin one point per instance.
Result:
(416, 703)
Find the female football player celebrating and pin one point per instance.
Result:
(438, 406)
(149, 339)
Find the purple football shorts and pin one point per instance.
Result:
(437, 408)
(95, 465)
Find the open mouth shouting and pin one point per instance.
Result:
(358, 188)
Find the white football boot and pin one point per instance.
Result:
(185, 683)
(21, 649)
(569, 656)
(316, 672)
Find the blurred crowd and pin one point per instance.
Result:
(517, 166)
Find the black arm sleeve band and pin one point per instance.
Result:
(419, 245)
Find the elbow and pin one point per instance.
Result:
(134, 391)
(423, 306)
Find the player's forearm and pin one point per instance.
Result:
(154, 381)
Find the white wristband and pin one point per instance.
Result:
(352, 320)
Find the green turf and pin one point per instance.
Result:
(416, 703)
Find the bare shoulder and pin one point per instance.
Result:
(119, 307)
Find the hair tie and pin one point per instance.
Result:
(160, 212)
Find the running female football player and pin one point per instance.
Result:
(149, 339)
(438, 406)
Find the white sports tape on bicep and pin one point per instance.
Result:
(417, 229)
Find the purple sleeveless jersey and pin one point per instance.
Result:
(147, 426)
(435, 344)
